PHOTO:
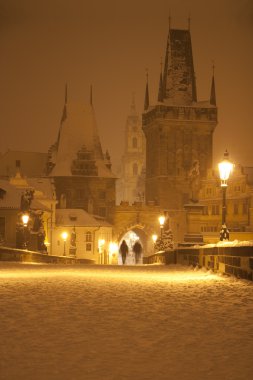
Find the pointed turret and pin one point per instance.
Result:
(160, 91)
(213, 94)
(146, 101)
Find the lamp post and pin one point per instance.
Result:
(64, 236)
(161, 221)
(25, 220)
(225, 169)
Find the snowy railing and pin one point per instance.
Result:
(231, 259)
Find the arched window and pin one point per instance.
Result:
(135, 169)
(134, 142)
(88, 236)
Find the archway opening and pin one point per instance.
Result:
(131, 237)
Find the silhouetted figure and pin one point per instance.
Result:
(137, 249)
(123, 251)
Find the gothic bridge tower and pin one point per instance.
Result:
(178, 129)
(81, 171)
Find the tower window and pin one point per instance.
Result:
(134, 142)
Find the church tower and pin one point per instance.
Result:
(131, 184)
(178, 129)
(81, 172)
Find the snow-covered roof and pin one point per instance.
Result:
(78, 217)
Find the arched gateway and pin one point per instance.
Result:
(140, 221)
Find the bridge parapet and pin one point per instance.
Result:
(236, 261)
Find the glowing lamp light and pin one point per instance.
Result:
(225, 169)
(64, 235)
(154, 238)
(161, 220)
(25, 219)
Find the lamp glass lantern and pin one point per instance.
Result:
(161, 221)
(25, 219)
(64, 236)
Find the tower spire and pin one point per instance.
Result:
(160, 91)
(213, 94)
(146, 101)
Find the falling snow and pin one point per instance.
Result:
(132, 322)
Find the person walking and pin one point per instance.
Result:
(137, 248)
(123, 251)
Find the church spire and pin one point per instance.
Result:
(146, 101)
(160, 91)
(213, 94)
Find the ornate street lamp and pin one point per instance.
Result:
(161, 221)
(225, 169)
(64, 236)
(25, 220)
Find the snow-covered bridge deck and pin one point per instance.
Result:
(139, 323)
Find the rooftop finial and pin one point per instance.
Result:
(146, 101)
(213, 93)
(160, 91)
